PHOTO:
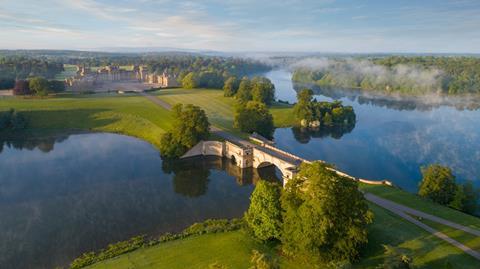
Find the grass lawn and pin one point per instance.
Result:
(427, 250)
(232, 249)
(467, 239)
(419, 203)
(220, 109)
(131, 115)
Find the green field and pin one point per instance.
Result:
(220, 109)
(419, 203)
(131, 115)
(232, 249)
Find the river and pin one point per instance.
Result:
(393, 136)
(63, 196)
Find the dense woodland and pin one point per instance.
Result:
(13, 68)
(400, 74)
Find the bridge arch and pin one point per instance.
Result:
(262, 159)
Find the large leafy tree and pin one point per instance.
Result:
(254, 117)
(190, 81)
(264, 216)
(325, 215)
(466, 198)
(190, 125)
(438, 184)
(244, 93)
(230, 87)
(39, 85)
(303, 108)
(263, 90)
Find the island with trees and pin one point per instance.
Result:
(311, 113)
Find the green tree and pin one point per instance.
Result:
(263, 90)
(264, 216)
(303, 108)
(466, 198)
(39, 85)
(244, 93)
(190, 125)
(438, 184)
(254, 117)
(190, 81)
(230, 87)
(325, 215)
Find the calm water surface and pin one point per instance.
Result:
(392, 138)
(64, 196)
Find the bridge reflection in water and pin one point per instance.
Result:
(200, 167)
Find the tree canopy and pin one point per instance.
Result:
(230, 87)
(259, 89)
(325, 215)
(190, 125)
(254, 117)
(438, 184)
(264, 216)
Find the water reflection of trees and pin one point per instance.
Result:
(303, 135)
(44, 144)
(191, 176)
(421, 103)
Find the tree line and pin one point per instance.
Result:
(19, 67)
(399, 74)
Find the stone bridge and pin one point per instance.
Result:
(245, 154)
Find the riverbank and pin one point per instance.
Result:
(130, 115)
(233, 248)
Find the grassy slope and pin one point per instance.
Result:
(467, 239)
(419, 203)
(220, 109)
(130, 115)
(234, 249)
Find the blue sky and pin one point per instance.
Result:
(243, 25)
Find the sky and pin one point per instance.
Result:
(442, 26)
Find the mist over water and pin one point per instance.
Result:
(393, 136)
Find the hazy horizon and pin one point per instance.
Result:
(328, 26)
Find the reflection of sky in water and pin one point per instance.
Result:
(392, 144)
(94, 189)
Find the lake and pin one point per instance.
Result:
(393, 136)
(63, 196)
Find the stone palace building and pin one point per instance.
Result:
(86, 77)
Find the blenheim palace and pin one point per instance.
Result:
(86, 77)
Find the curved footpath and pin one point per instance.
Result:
(406, 212)
(400, 210)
